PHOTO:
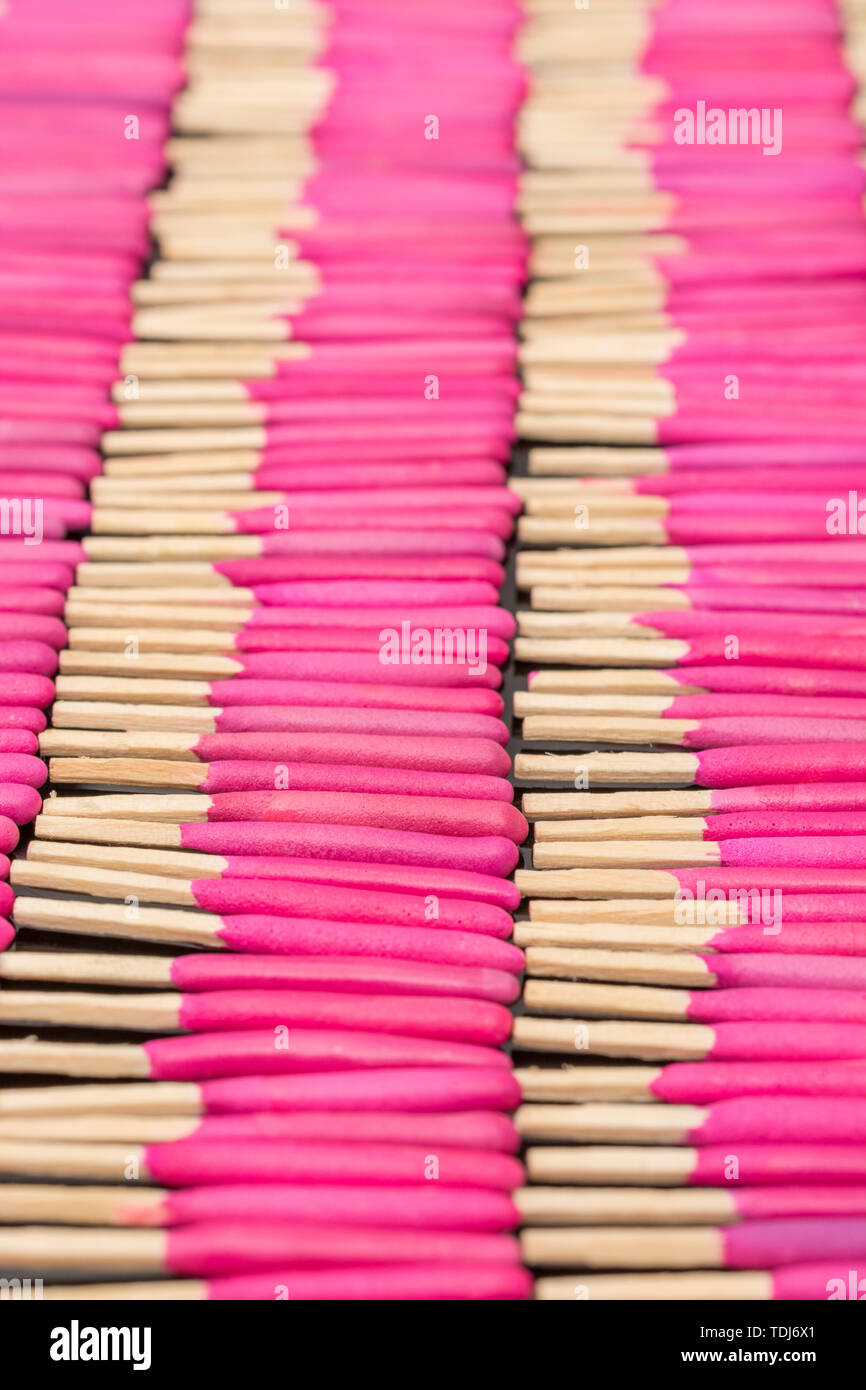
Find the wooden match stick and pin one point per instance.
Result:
(47, 1203)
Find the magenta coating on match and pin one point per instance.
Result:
(454, 883)
(21, 573)
(285, 936)
(295, 899)
(327, 638)
(266, 570)
(19, 801)
(7, 934)
(789, 797)
(495, 622)
(783, 1120)
(409, 1208)
(785, 826)
(236, 694)
(474, 755)
(23, 768)
(433, 815)
(243, 776)
(753, 706)
(333, 719)
(824, 1281)
(781, 1041)
(766, 1004)
(489, 855)
(351, 667)
(761, 1203)
(764, 729)
(244, 1010)
(820, 972)
(202, 1056)
(355, 975)
(401, 1283)
(796, 1240)
(820, 650)
(385, 602)
(414, 1089)
(236, 1248)
(32, 600)
(9, 834)
(466, 1129)
(26, 688)
(194, 1161)
(778, 1163)
(33, 658)
(22, 717)
(35, 627)
(781, 763)
(18, 741)
(800, 882)
(822, 851)
(804, 681)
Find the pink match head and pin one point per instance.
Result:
(22, 717)
(7, 933)
(489, 855)
(197, 1162)
(9, 835)
(451, 883)
(18, 741)
(19, 801)
(781, 763)
(771, 1164)
(782, 1042)
(463, 1020)
(408, 1208)
(242, 775)
(776, 1004)
(34, 658)
(287, 936)
(212, 1249)
(703, 1083)
(827, 1280)
(401, 1283)
(469, 755)
(234, 693)
(434, 815)
(416, 1089)
(466, 1129)
(769, 1120)
(202, 1056)
(26, 688)
(23, 768)
(352, 905)
(31, 626)
(795, 1240)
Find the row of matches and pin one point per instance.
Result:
(281, 688)
(690, 567)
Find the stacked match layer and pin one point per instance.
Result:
(85, 100)
(694, 705)
(277, 733)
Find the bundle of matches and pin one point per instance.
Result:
(281, 687)
(691, 635)
(74, 239)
